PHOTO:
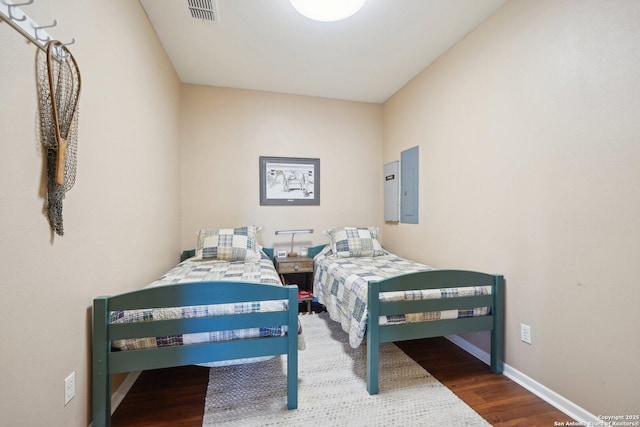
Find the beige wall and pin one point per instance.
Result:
(121, 218)
(528, 143)
(225, 131)
(529, 166)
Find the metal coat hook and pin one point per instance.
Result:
(10, 9)
(40, 27)
(55, 22)
(59, 50)
(13, 18)
(20, 4)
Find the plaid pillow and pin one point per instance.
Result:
(355, 242)
(228, 244)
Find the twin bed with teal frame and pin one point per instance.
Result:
(492, 301)
(108, 361)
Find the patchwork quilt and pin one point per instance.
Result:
(341, 284)
(261, 271)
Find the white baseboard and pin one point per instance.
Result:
(121, 392)
(572, 410)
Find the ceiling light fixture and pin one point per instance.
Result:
(327, 10)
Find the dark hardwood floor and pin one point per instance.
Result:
(165, 397)
(175, 396)
(496, 398)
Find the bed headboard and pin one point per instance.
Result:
(187, 254)
(269, 252)
(313, 251)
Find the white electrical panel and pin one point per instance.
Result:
(409, 177)
(392, 191)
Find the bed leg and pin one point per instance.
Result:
(372, 367)
(373, 337)
(292, 354)
(497, 333)
(101, 398)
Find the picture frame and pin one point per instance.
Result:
(289, 181)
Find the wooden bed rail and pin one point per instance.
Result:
(434, 279)
(107, 362)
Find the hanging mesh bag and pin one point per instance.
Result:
(59, 92)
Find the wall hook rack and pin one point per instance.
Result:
(12, 14)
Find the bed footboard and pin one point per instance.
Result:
(107, 362)
(434, 279)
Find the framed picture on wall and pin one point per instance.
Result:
(289, 181)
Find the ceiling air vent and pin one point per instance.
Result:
(204, 10)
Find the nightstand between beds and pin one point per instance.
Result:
(297, 270)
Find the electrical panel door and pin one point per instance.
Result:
(392, 191)
(409, 185)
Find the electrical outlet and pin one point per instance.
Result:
(525, 333)
(69, 387)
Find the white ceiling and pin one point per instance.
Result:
(266, 45)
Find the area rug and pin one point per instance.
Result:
(332, 388)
